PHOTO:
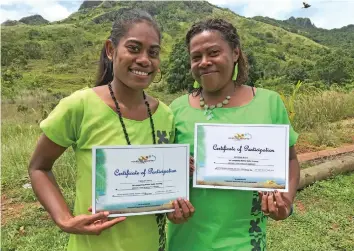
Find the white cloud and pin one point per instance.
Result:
(48, 9)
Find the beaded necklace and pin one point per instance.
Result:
(121, 118)
(208, 109)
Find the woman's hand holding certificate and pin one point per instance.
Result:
(183, 211)
(275, 204)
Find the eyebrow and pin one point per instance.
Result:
(209, 47)
(141, 44)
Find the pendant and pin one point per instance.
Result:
(209, 114)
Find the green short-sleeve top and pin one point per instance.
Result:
(224, 220)
(82, 120)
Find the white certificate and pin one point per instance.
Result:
(242, 157)
(136, 180)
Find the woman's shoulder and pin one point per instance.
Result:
(164, 107)
(77, 96)
(74, 100)
(179, 102)
(267, 92)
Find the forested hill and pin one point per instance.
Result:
(63, 55)
(342, 38)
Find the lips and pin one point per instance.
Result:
(207, 72)
(140, 72)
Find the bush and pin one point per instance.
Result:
(179, 77)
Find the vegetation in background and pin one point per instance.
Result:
(62, 56)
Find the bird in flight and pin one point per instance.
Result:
(306, 5)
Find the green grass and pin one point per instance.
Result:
(323, 218)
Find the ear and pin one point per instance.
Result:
(236, 54)
(109, 49)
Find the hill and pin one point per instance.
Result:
(342, 38)
(62, 56)
(30, 20)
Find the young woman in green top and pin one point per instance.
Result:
(227, 220)
(115, 112)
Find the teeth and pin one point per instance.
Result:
(139, 73)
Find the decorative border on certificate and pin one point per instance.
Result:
(139, 179)
(241, 156)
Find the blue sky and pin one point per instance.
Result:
(323, 13)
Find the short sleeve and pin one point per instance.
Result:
(62, 125)
(282, 117)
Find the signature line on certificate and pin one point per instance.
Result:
(239, 158)
(244, 164)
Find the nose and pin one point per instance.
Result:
(205, 62)
(143, 59)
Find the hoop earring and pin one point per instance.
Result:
(111, 66)
(154, 81)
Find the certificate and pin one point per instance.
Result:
(241, 157)
(136, 180)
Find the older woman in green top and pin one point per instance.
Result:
(227, 220)
(115, 112)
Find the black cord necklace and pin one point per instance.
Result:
(121, 118)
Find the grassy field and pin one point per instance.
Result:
(323, 218)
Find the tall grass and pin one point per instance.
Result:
(318, 108)
(18, 144)
(20, 132)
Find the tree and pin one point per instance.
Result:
(9, 89)
(254, 72)
(295, 71)
(32, 50)
(179, 77)
(334, 68)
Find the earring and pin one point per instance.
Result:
(234, 77)
(159, 71)
(196, 85)
(111, 66)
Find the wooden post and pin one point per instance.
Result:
(326, 170)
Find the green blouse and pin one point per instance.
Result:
(224, 220)
(82, 121)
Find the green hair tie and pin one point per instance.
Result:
(234, 77)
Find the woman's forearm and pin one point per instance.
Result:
(48, 193)
(294, 178)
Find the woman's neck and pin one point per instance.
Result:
(127, 96)
(219, 95)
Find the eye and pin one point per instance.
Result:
(214, 53)
(195, 58)
(154, 53)
(133, 48)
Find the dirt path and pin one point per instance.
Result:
(12, 209)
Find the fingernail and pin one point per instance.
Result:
(265, 193)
